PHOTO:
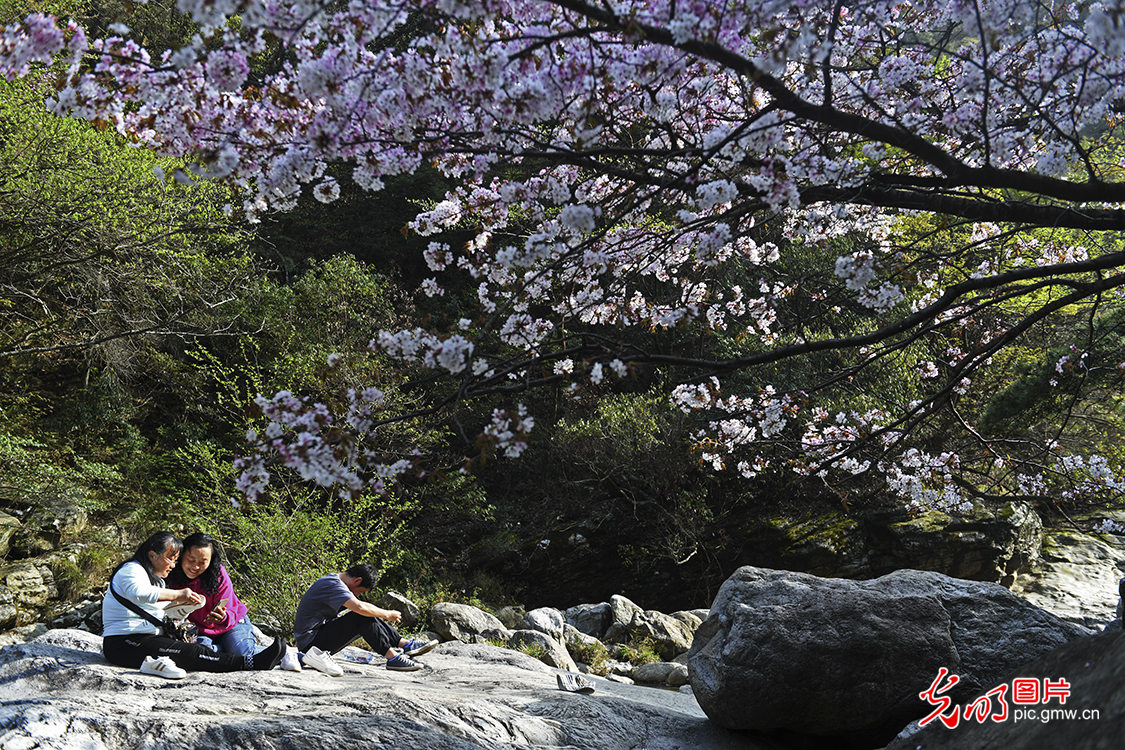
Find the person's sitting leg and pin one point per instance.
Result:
(334, 635)
(238, 640)
(131, 650)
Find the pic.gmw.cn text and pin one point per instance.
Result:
(1029, 698)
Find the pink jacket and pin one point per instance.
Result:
(236, 610)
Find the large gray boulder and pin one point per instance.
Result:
(791, 651)
(546, 620)
(621, 610)
(463, 622)
(58, 693)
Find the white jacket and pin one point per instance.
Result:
(132, 582)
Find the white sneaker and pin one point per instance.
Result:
(162, 667)
(322, 660)
(290, 661)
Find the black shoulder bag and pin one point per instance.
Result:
(177, 631)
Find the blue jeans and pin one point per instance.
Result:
(238, 640)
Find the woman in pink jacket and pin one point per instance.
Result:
(222, 621)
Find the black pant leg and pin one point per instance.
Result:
(334, 635)
(131, 650)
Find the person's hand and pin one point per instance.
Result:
(187, 596)
(392, 615)
(217, 613)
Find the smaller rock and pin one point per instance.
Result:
(622, 610)
(546, 620)
(591, 619)
(26, 583)
(669, 636)
(690, 619)
(622, 668)
(511, 616)
(8, 526)
(8, 611)
(462, 622)
(543, 647)
(617, 633)
(656, 671)
(396, 601)
(678, 676)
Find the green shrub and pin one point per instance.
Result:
(642, 651)
(534, 650)
(276, 553)
(594, 655)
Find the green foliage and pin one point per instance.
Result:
(97, 256)
(1043, 383)
(593, 654)
(69, 579)
(184, 482)
(157, 24)
(642, 651)
(534, 650)
(622, 460)
(277, 552)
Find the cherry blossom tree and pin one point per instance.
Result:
(831, 188)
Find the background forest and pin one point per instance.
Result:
(139, 318)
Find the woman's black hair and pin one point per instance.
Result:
(160, 543)
(209, 578)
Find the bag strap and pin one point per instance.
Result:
(135, 608)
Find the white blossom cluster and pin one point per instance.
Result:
(508, 432)
(419, 346)
(306, 439)
(656, 158)
(926, 481)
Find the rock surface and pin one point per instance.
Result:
(833, 657)
(1076, 577)
(463, 622)
(58, 693)
(670, 636)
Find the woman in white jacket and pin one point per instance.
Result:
(131, 640)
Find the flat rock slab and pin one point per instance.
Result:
(1076, 577)
(58, 693)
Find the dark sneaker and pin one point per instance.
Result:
(419, 646)
(403, 663)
